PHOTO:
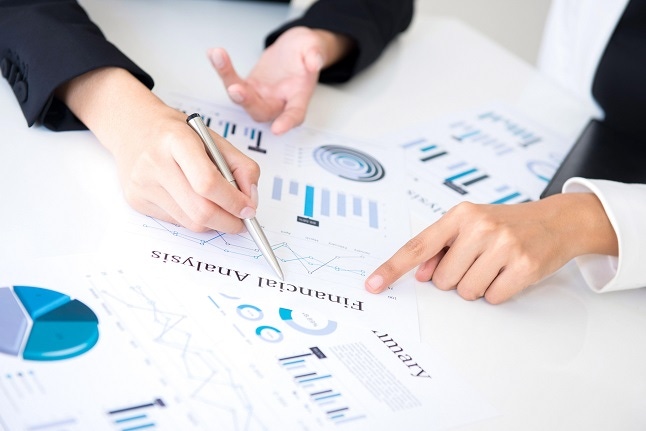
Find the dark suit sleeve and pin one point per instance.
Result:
(372, 24)
(44, 44)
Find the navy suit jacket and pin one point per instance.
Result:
(45, 43)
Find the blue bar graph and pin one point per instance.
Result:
(311, 377)
(466, 135)
(132, 419)
(428, 151)
(316, 203)
(506, 198)
(461, 174)
(309, 201)
(226, 130)
(324, 389)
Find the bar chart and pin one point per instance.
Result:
(315, 183)
(136, 417)
(467, 179)
(496, 130)
(320, 203)
(230, 130)
(490, 155)
(244, 135)
(322, 388)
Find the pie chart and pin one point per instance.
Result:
(44, 325)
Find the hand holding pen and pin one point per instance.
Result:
(163, 169)
(250, 222)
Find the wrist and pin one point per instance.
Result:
(334, 46)
(108, 100)
(582, 222)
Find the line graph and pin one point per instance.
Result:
(202, 373)
(296, 256)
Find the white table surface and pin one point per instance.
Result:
(556, 357)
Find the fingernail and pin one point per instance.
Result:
(314, 62)
(254, 195)
(236, 97)
(319, 61)
(375, 282)
(217, 59)
(247, 212)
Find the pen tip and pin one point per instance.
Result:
(279, 272)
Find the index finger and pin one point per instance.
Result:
(420, 248)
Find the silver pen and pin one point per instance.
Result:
(252, 225)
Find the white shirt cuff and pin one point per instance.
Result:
(625, 205)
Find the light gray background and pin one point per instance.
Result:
(516, 25)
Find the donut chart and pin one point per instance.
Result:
(44, 325)
(349, 163)
(317, 329)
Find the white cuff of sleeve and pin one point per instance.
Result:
(625, 205)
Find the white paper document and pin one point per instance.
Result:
(109, 349)
(489, 155)
(330, 206)
(168, 329)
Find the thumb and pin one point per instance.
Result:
(313, 61)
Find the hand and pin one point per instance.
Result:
(495, 251)
(163, 166)
(281, 84)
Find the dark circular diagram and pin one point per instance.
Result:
(349, 163)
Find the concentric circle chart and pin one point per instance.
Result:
(349, 163)
(44, 325)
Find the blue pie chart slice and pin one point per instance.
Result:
(38, 301)
(61, 327)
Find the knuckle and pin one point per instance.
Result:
(487, 226)
(528, 266)
(172, 137)
(388, 269)
(254, 168)
(414, 247)
(463, 209)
